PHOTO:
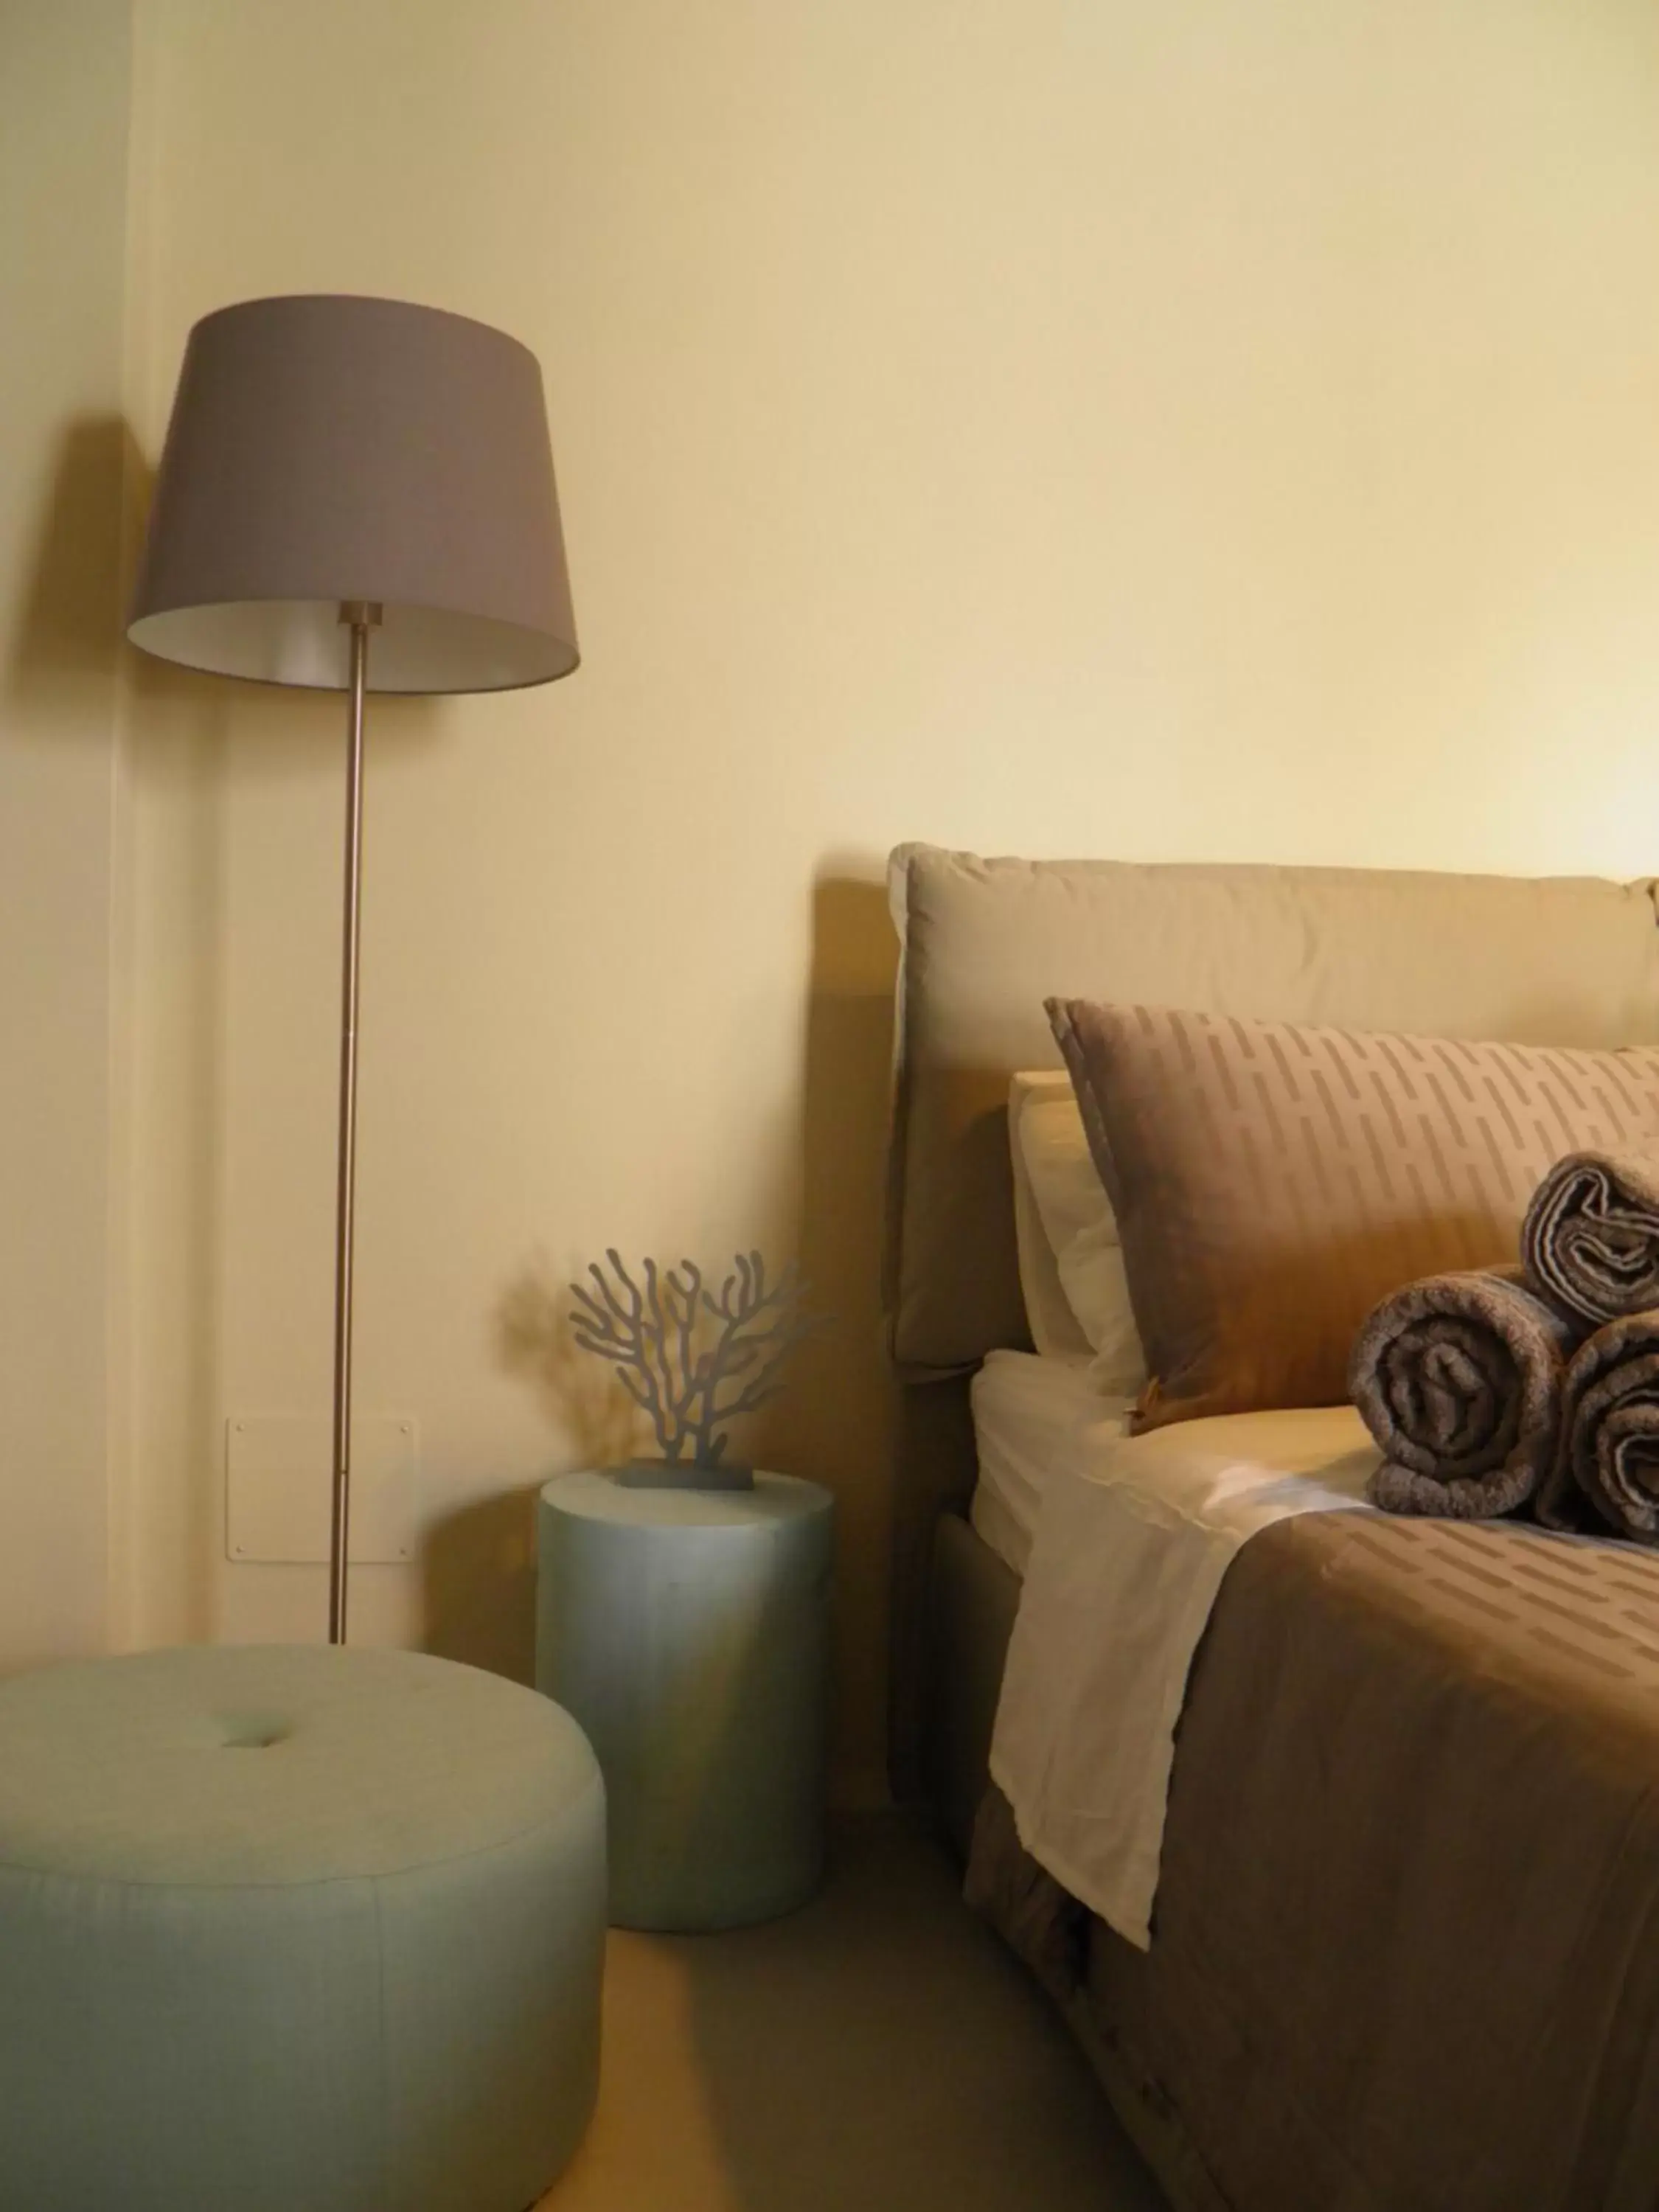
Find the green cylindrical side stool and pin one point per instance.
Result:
(687, 1631)
(295, 1930)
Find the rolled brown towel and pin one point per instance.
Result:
(1590, 1236)
(1606, 1477)
(1458, 1379)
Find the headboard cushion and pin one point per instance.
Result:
(1564, 960)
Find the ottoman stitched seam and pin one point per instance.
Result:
(313, 1881)
(383, 2069)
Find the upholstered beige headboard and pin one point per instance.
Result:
(1555, 961)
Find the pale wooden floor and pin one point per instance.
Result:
(877, 2052)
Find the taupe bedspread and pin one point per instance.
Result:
(1405, 1953)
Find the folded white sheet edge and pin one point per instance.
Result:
(1026, 1410)
(1134, 1535)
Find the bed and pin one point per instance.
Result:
(1406, 1951)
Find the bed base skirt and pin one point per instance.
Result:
(973, 1596)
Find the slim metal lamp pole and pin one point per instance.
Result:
(361, 616)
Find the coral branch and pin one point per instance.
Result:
(618, 1330)
(692, 1358)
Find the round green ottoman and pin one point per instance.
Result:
(293, 1930)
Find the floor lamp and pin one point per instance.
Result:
(356, 495)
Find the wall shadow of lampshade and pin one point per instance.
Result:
(68, 625)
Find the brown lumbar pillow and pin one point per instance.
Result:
(1273, 1183)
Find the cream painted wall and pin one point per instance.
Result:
(1160, 429)
(64, 109)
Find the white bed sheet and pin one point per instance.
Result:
(1026, 1411)
(1134, 1536)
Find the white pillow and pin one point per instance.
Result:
(1071, 1261)
(1054, 1327)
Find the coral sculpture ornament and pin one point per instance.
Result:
(691, 1359)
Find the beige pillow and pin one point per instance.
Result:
(1271, 1183)
(1056, 1182)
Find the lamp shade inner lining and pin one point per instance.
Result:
(303, 642)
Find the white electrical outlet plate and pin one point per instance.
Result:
(279, 1478)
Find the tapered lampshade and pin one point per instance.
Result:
(326, 449)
